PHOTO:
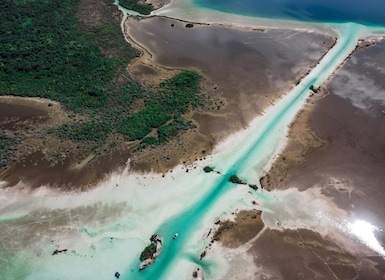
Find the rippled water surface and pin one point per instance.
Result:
(369, 12)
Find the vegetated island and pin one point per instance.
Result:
(58, 51)
(151, 252)
(236, 180)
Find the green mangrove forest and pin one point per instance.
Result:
(48, 50)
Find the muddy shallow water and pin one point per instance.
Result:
(348, 168)
(251, 68)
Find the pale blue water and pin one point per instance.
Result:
(368, 12)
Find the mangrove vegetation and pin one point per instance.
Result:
(48, 50)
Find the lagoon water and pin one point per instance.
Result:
(106, 229)
(369, 12)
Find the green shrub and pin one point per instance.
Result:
(148, 252)
(236, 180)
(208, 169)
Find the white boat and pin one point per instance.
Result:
(175, 236)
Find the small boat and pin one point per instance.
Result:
(175, 236)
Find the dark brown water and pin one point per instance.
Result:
(13, 114)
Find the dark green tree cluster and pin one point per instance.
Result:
(148, 252)
(141, 8)
(44, 52)
(42, 55)
(163, 110)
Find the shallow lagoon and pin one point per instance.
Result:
(110, 225)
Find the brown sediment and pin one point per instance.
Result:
(303, 254)
(37, 158)
(342, 152)
(17, 110)
(247, 224)
(346, 152)
(35, 169)
(185, 149)
(302, 141)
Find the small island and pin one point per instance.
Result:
(314, 89)
(236, 180)
(151, 252)
(208, 169)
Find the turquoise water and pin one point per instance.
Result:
(252, 151)
(368, 12)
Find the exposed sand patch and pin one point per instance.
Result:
(247, 224)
